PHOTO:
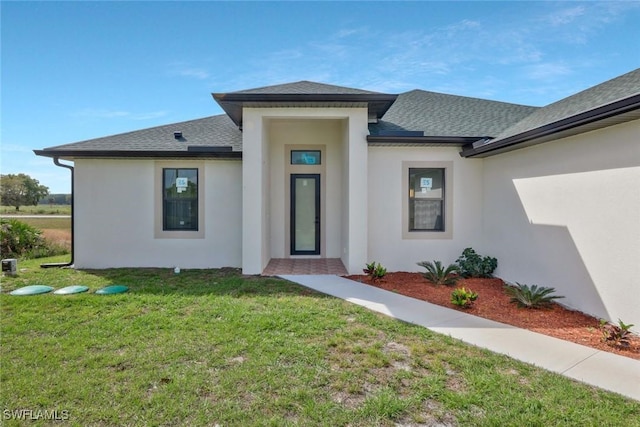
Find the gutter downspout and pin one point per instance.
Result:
(56, 161)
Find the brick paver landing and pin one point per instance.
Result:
(279, 266)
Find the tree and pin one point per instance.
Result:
(21, 190)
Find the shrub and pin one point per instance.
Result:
(438, 275)
(616, 335)
(473, 265)
(20, 240)
(375, 271)
(463, 297)
(531, 296)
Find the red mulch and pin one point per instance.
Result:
(493, 303)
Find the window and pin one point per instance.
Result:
(180, 199)
(426, 199)
(305, 157)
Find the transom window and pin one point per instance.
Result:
(180, 199)
(305, 157)
(426, 199)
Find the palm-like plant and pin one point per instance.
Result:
(531, 296)
(439, 275)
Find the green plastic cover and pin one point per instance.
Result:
(32, 290)
(114, 289)
(75, 289)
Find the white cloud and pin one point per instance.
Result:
(149, 115)
(547, 71)
(198, 73)
(14, 148)
(531, 46)
(565, 16)
(98, 113)
(184, 69)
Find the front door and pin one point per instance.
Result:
(305, 214)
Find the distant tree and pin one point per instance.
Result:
(21, 190)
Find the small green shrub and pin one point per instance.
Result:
(473, 265)
(439, 275)
(463, 297)
(616, 335)
(531, 296)
(369, 268)
(20, 240)
(375, 271)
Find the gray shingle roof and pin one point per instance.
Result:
(439, 114)
(303, 94)
(306, 87)
(432, 114)
(209, 131)
(613, 90)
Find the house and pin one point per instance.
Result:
(306, 169)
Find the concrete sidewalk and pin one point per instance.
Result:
(594, 367)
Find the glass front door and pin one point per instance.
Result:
(305, 214)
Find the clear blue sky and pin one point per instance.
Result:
(79, 70)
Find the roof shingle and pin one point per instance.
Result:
(214, 131)
(613, 90)
(305, 87)
(439, 114)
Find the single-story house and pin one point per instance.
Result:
(310, 170)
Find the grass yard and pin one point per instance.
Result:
(211, 347)
(44, 223)
(37, 210)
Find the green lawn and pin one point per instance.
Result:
(37, 210)
(209, 347)
(47, 223)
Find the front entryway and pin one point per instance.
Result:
(280, 266)
(305, 214)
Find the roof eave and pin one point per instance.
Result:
(391, 140)
(513, 142)
(232, 103)
(138, 154)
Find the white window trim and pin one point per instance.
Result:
(448, 201)
(159, 233)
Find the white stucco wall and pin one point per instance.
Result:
(566, 214)
(386, 244)
(115, 204)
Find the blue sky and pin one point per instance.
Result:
(79, 70)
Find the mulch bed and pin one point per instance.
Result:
(492, 303)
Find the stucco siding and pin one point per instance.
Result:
(115, 210)
(565, 214)
(386, 175)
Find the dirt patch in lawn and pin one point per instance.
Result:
(492, 303)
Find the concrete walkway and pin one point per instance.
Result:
(594, 367)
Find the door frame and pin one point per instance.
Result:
(292, 213)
